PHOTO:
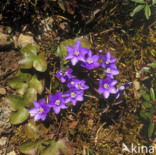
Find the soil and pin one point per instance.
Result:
(8, 68)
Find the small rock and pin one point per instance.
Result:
(2, 91)
(136, 85)
(23, 40)
(3, 141)
(11, 153)
(5, 40)
(65, 27)
(4, 119)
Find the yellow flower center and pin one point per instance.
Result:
(107, 62)
(106, 85)
(77, 53)
(72, 95)
(57, 102)
(89, 61)
(72, 82)
(41, 110)
(108, 70)
(79, 86)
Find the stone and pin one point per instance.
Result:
(4, 119)
(11, 153)
(23, 40)
(5, 41)
(2, 91)
(3, 141)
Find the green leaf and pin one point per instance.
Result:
(146, 69)
(148, 105)
(30, 48)
(152, 94)
(20, 87)
(15, 102)
(150, 129)
(84, 42)
(29, 97)
(34, 130)
(60, 146)
(138, 1)
(31, 130)
(40, 63)
(35, 83)
(20, 82)
(136, 10)
(61, 50)
(29, 148)
(19, 114)
(147, 11)
(152, 65)
(21, 77)
(149, 115)
(145, 95)
(142, 114)
(153, 2)
(17, 117)
(27, 60)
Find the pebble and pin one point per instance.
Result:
(4, 119)
(11, 153)
(2, 91)
(23, 40)
(3, 141)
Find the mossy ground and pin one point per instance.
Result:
(98, 126)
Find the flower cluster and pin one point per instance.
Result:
(77, 87)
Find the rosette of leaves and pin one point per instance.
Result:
(142, 4)
(27, 86)
(148, 98)
(31, 58)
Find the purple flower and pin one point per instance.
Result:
(73, 82)
(76, 53)
(40, 110)
(73, 95)
(107, 87)
(91, 62)
(107, 60)
(81, 85)
(78, 84)
(64, 76)
(111, 70)
(57, 102)
(120, 90)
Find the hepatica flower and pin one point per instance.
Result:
(78, 84)
(81, 85)
(64, 76)
(76, 53)
(57, 102)
(91, 62)
(107, 86)
(111, 70)
(107, 60)
(73, 95)
(120, 90)
(40, 110)
(73, 82)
